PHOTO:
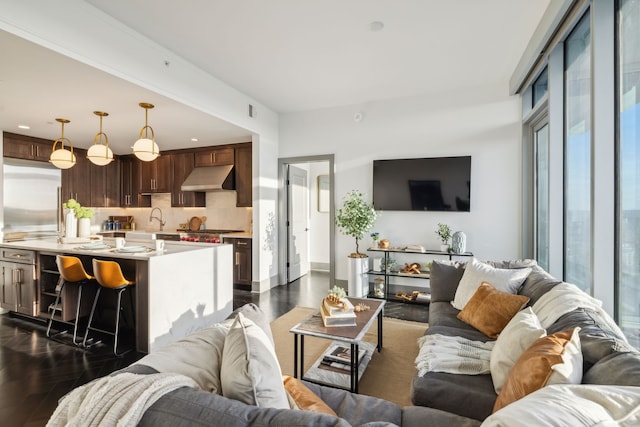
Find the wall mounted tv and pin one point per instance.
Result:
(428, 184)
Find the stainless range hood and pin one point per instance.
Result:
(208, 178)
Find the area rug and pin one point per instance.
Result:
(389, 373)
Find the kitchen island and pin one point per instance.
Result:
(178, 290)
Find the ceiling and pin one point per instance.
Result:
(290, 55)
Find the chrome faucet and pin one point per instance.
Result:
(151, 218)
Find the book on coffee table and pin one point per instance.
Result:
(341, 354)
(337, 318)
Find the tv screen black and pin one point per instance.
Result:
(429, 184)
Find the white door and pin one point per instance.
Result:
(298, 223)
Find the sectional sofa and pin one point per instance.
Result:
(226, 375)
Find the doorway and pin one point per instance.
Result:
(306, 212)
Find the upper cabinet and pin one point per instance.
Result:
(182, 164)
(105, 185)
(130, 183)
(26, 147)
(155, 176)
(214, 157)
(76, 181)
(243, 175)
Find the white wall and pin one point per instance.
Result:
(481, 122)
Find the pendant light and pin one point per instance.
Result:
(61, 157)
(146, 149)
(100, 154)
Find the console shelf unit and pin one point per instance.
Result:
(391, 289)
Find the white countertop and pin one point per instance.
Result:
(76, 248)
(241, 235)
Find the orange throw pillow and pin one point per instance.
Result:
(304, 398)
(489, 309)
(554, 359)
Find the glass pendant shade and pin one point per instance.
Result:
(145, 148)
(61, 157)
(100, 154)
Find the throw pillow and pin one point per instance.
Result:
(303, 398)
(197, 356)
(519, 334)
(250, 371)
(489, 310)
(554, 359)
(572, 405)
(444, 279)
(476, 272)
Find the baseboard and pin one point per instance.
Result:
(264, 285)
(319, 266)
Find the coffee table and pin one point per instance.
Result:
(353, 335)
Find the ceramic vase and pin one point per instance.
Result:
(459, 242)
(84, 227)
(70, 224)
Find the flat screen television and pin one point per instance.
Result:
(428, 184)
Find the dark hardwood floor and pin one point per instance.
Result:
(36, 371)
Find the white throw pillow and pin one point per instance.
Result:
(521, 331)
(572, 405)
(197, 356)
(504, 279)
(250, 371)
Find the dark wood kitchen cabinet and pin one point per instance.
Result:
(105, 185)
(214, 157)
(76, 181)
(241, 260)
(155, 176)
(244, 180)
(182, 164)
(26, 147)
(130, 184)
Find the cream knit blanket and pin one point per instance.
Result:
(453, 355)
(118, 400)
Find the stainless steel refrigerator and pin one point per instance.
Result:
(31, 200)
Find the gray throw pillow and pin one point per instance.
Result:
(445, 276)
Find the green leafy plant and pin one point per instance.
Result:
(78, 210)
(355, 218)
(338, 292)
(444, 232)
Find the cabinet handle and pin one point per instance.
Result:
(37, 151)
(241, 243)
(214, 157)
(237, 258)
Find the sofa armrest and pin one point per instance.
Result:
(421, 416)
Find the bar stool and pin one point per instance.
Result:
(109, 276)
(71, 271)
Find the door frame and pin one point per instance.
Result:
(283, 214)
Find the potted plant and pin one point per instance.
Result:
(444, 233)
(355, 218)
(80, 214)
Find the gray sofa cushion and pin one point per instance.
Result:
(422, 416)
(450, 325)
(444, 279)
(470, 396)
(537, 284)
(358, 409)
(615, 369)
(191, 407)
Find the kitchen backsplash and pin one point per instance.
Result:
(221, 213)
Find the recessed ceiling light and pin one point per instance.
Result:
(194, 139)
(376, 26)
(24, 127)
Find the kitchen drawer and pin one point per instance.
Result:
(18, 255)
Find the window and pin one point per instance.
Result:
(577, 168)
(541, 147)
(628, 179)
(540, 87)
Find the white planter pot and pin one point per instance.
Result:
(70, 225)
(358, 285)
(444, 248)
(84, 227)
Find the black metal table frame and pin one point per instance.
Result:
(298, 362)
